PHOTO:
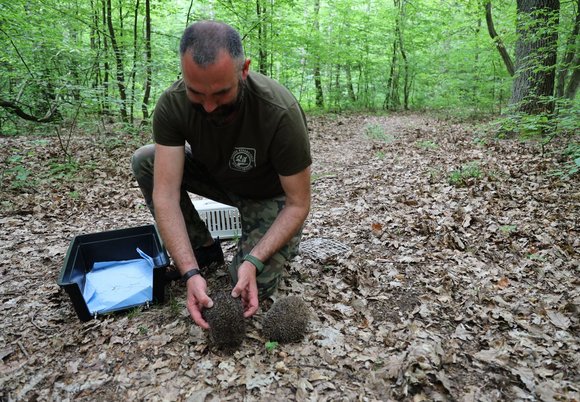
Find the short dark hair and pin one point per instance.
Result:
(205, 39)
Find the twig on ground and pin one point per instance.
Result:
(23, 349)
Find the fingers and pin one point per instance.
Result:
(251, 308)
(195, 314)
(237, 291)
(251, 300)
(197, 300)
(204, 301)
(249, 292)
(243, 283)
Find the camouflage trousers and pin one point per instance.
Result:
(256, 215)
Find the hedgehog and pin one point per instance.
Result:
(286, 321)
(227, 328)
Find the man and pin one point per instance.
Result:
(237, 137)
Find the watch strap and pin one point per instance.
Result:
(255, 261)
(192, 272)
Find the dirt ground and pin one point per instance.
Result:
(459, 281)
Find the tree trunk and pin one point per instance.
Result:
(570, 63)
(262, 52)
(105, 98)
(536, 48)
(318, 85)
(392, 96)
(337, 90)
(572, 87)
(148, 61)
(317, 77)
(135, 53)
(119, 61)
(507, 60)
(399, 29)
(349, 86)
(95, 44)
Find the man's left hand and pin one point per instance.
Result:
(247, 288)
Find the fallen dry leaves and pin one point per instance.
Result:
(466, 291)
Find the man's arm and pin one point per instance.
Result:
(168, 174)
(285, 226)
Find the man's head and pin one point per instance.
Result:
(214, 68)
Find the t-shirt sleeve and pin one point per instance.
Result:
(290, 150)
(166, 130)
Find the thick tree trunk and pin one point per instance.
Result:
(536, 48)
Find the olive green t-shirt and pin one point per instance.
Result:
(267, 138)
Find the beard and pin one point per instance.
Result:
(224, 113)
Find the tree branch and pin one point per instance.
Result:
(17, 110)
(497, 40)
(17, 52)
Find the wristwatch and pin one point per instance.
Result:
(189, 274)
(255, 261)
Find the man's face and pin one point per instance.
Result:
(216, 90)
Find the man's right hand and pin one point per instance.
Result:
(197, 299)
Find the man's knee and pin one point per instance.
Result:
(143, 159)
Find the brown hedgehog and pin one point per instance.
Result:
(286, 321)
(227, 328)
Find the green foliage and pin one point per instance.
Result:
(508, 229)
(17, 172)
(465, 175)
(57, 54)
(134, 312)
(544, 128)
(427, 144)
(572, 166)
(175, 306)
(541, 126)
(63, 170)
(377, 132)
(271, 345)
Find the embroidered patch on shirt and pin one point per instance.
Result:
(243, 159)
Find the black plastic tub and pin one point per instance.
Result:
(116, 245)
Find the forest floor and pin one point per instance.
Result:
(461, 282)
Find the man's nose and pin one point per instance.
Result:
(209, 106)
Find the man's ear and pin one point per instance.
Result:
(246, 68)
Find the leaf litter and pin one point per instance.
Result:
(449, 287)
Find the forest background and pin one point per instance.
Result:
(84, 63)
